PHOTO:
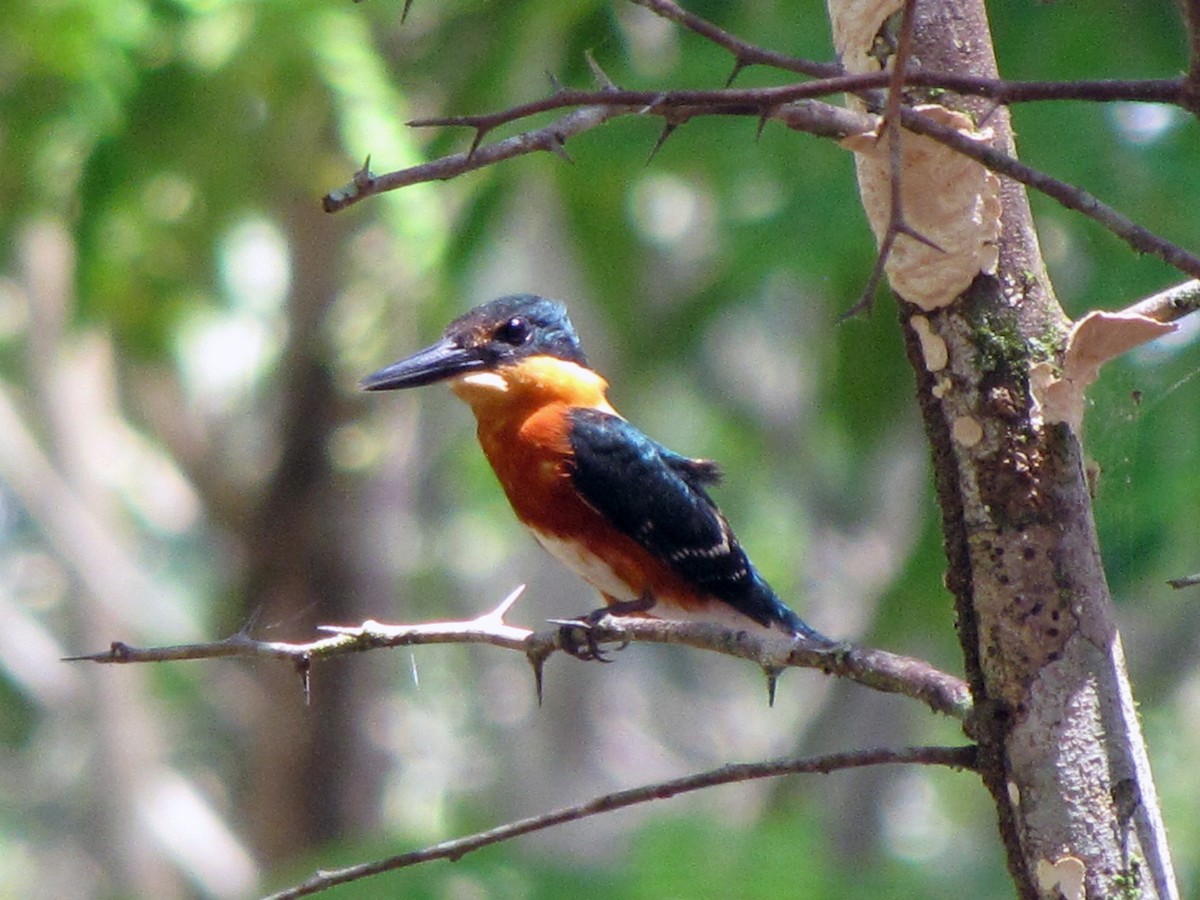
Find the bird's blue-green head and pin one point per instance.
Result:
(489, 338)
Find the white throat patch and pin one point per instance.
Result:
(487, 381)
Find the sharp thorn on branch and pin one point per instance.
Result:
(762, 123)
(772, 674)
(598, 73)
(866, 300)
(558, 146)
(537, 661)
(908, 231)
(668, 130)
(480, 132)
(738, 65)
(650, 108)
(556, 86)
(507, 603)
(864, 305)
(363, 177)
(989, 112)
(116, 650)
(403, 12)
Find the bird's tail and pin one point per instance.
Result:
(763, 605)
(789, 621)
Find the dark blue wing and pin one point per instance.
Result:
(657, 497)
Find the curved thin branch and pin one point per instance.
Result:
(593, 108)
(1156, 90)
(1169, 305)
(552, 138)
(877, 669)
(1191, 20)
(1176, 91)
(963, 757)
(740, 100)
(744, 54)
(678, 106)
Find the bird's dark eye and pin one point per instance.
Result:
(515, 331)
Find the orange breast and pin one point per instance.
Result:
(530, 455)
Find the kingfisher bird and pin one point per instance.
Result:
(629, 516)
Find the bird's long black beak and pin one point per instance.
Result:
(443, 360)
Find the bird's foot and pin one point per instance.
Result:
(578, 636)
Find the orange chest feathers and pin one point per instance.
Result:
(532, 461)
(523, 412)
(530, 456)
(529, 447)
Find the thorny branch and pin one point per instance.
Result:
(597, 107)
(593, 108)
(878, 669)
(961, 757)
(552, 138)
(744, 54)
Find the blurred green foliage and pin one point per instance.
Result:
(163, 160)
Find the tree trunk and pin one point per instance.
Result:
(1061, 748)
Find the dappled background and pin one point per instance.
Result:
(183, 452)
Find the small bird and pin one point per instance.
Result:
(629, 516)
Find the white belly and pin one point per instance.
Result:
(587, 566)
(596, 572)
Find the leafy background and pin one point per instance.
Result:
(183, 452)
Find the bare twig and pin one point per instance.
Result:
(1171, 304)
(726, 101)
(741, 100)
(1103, 90)
(680, 105)
(1190, 94)
(744, 54)
(1183, 92)
(1157, 90)
(962, 757)
(822, 119)
(878, 669)
(597, 107)
(489, 628)
(552, 138)
(1185, 581)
